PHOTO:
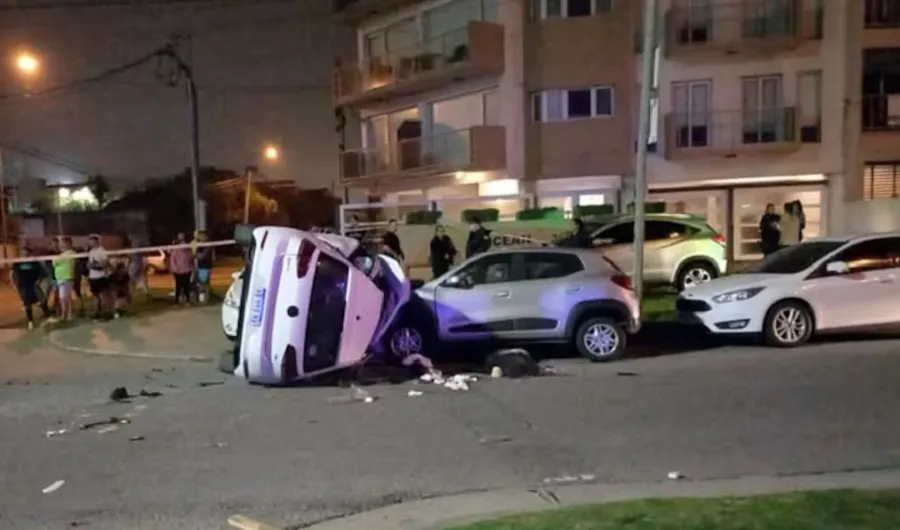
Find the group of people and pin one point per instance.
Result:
(779, 230)
(55, 285)
(442, 251)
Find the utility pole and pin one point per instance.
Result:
(640, 180)
(3, 205)
(251, 170)
(183, 69)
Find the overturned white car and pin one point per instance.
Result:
(311, 304)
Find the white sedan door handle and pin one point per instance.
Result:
(502, 294)
(573, 290)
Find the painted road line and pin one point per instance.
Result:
(245, 523)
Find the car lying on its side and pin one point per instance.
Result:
(231, 305)
(521, 296)
(312, 304)
(820, 285)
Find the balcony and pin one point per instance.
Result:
(881, 24)
(472, 51)
(480, 148)
(880, 125)
(731, 133)
(749, 28)
(354, 11)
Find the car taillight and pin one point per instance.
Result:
(720, 239)
(304, 258)
(622, 281)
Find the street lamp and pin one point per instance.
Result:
(270, 154)
(27, 63)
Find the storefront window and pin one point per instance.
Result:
(750, 204)
(709, 205)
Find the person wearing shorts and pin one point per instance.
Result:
(205, 259)
(64, 272)
(98, 263)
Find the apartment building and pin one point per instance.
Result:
(511, 101)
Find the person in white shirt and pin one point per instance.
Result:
(98, 276)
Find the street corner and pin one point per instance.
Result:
(190, 334)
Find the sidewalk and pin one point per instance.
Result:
(179, 334)
(444, 512)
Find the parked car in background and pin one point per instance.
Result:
(311, 306)
(820, 285)
(157, 261)
(680, 250)
(539, 295)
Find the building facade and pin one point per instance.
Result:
(756, 102)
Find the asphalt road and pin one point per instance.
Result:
(293, 456)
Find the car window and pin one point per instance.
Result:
(491, 268)
(874, 254)
(547, 265)
(620, 234)
(327, 305)
(796, 258)
(661, 230)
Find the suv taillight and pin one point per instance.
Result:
(304, 258)
(622, 281)
(720, 239)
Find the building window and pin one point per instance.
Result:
(882, 13)
(544, 9)
(881, 180)
(572, 104)
(809, 109)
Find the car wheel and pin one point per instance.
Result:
(788, 324)
(695, 273)
(600, 339)
(404, 341)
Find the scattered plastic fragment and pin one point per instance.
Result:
(675, 475)
(356, 394)
(496, 372)
(53, 487)
(136, 439)
(57, 432)
(414, 393)
(204, 384)
(498, 439)
(565, 479)
(113, 420)
(144, 393)
(588, 478)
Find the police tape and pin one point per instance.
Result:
(123, 252)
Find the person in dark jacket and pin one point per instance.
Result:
(442, 252)
(25, 276)
(769, 231)
(582, 234)
(479, 238)
(391, 243)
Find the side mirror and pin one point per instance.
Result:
(837, 267)
(458, 282)
(601, 241)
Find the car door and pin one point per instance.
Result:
(617, 243)
(865, 294)
(661, 248)
(475, 302)
(545, 293)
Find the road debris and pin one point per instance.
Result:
(496, 372)
(53, 487)
(460, 382)
(120, 393)
(204, 384)
(245, 523)
(513, 363)
(675, 475)
(570, 479)
(414, 393)
(136, 439)
(356, 394)
(57, 432)
(497, 439)
(147, 394)
(113, 420)
(627, 374)
(108, 429)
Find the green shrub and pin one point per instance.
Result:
(650, 207)
(536, 214)
(486, 215)
(594, 210)
(423, 217)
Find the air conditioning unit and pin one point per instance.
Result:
(893, 110)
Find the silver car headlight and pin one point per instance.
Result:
(231, 298)
(737, 296)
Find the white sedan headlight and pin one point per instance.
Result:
(231, 297)
(737, 296)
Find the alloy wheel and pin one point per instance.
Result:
(406, 341)
(790, 325)
(601, 340)
(694, 277)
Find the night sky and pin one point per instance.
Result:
(264, 69)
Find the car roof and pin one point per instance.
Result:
(601, 221)
(853, 238)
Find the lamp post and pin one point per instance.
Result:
(270, 154)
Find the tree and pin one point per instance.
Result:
(99, 189)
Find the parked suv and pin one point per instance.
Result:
(552, 295)
(680, 250)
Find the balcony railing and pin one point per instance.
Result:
(881, 112)
(882, 14)
(749, 26)
(731, 132)
(474, 49)
(479, 148)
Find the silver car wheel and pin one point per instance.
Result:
(790, 325)
(694, 277)
(406, 341)
(601, 340)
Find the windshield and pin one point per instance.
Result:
(791, 260)
(325, 319)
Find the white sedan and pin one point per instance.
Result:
(821, 285)
(231, 305)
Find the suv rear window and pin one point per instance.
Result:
(325, 319)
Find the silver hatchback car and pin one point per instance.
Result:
(680, 250)
(516, 296)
